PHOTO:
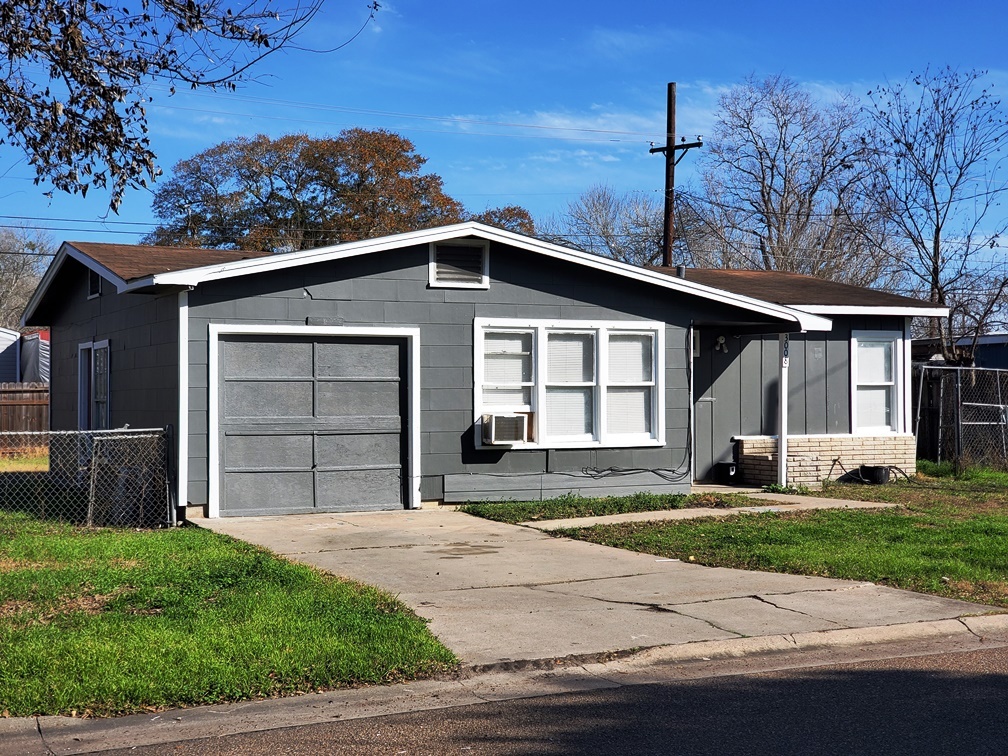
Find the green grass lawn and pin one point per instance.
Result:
(562, 507)
(949, 537)
(98, 622)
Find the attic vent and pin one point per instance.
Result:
(459, 265)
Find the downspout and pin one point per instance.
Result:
(182, 466)
(784, 346)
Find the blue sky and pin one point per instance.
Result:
(531, 103)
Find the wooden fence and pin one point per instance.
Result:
(24, 407)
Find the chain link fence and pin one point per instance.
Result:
(116, 478)
(961, 415)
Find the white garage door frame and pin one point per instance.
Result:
(412, 337)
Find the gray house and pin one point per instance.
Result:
(467, 362)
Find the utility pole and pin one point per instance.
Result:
(669, 150)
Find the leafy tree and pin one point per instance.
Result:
(510, 217)
(24, 255)
(781, 179)
(939, 170)
(76, 79)
(298, 192)
(372, 178)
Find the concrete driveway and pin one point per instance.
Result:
(498, 593)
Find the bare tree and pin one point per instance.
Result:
(939, 171)
(626, 227)
(76, 75)
(24, 255)
(781, 180)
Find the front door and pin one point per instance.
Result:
(734, 384)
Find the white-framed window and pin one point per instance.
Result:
(581, 383)
(93, 385)
(877, 381)
(459, 264)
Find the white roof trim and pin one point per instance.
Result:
(195, 276)
(68, 250)
(916, 312)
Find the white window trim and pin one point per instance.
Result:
(412, 336)
(900, 383)
(655, 329)
(92, 346)
(432, 281)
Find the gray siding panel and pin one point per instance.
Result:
(142, 331)
(838, 385)
(796, 387)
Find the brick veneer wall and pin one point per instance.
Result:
(811, 458)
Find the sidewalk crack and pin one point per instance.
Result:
(38, 728)
(971, 631)
(768, 602)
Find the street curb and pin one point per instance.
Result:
(992, 627)
(987, 627)
(516, 680)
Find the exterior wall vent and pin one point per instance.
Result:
(505, 430)
(459, 265)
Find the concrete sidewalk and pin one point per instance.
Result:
(498, 594)
(774, 503)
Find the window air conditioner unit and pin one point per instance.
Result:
(505, 430)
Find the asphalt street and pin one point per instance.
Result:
(945, 703)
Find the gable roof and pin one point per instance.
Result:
(129, 262)
(145, 269)
(808, 293)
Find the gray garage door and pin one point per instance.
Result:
(311, 424)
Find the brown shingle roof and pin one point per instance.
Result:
(131, 262)
(793, 289)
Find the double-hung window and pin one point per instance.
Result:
(581, 383)
(876, 372)
(570, 385)
(631, 385)
(507, 370)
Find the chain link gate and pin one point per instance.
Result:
(117, 478)
(961, 415)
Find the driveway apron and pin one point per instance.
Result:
(497, 593)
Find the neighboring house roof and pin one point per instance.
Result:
(133, 268)
(808, 293)
(985, 339)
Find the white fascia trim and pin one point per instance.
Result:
(912, 312)
(182, 437)
(806, 321)
(216, 330)
(68, 250)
